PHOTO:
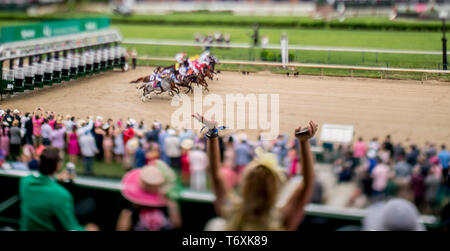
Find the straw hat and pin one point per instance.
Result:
(81, 122)
(187, 144)
(58, 124)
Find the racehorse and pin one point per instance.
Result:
(171, 77)
(165, 86)
(209, 69)
(212, 62)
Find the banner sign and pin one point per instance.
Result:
(331, 133)
(51, 29)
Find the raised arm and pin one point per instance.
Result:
(294, 210)
(214, 162)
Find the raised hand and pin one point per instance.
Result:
(210, 124)
(312, 129)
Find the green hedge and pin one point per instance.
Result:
(227, 19)
(274, 56)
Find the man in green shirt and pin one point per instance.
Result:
(45, 204)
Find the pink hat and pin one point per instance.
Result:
(134, 185)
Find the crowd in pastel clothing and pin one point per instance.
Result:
(132, 144)
(386, 169)
(227, 163)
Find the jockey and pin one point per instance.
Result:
(180, 58)
(156, 78)
(183, 70)
(204, 58)
(194, 64)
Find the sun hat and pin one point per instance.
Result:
(16, 111)
(171, 132)
(81, 122)
(157, 125)
(98, 123)
(2, 112)
(268, 160)
(187, 144)
(394, 215)
(58, 124)
(136, 184)
(131, 122)
(243, 137)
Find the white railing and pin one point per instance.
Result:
(317, 66)
(139, 41)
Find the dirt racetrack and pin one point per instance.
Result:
(408, 110)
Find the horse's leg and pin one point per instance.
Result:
(189, 89)
(161, 90)
(150, 91)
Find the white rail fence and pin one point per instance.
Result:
(351, 68)
(138, 41)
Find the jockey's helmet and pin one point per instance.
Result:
(180, 57)
(205, 54)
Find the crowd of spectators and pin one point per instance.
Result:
(382, 170)
(387, 169)
(217, 38)
(131, 144)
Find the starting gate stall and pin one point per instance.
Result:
(48, 70)
(19, 77)
(8, 81)
(39, 75)
(73, 65)
(83, 43)
(117, 53)
(111, 53)
(82, 64)
(29, 75)
(104, 60)
(57, 66)
(65, 73)
(89, 62)
(97, 61)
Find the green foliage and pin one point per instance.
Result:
(227, 19)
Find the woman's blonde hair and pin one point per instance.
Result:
(260, 186)
(15, 122)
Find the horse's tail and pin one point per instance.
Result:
(137, 80)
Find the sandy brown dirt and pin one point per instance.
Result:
(405, 109)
